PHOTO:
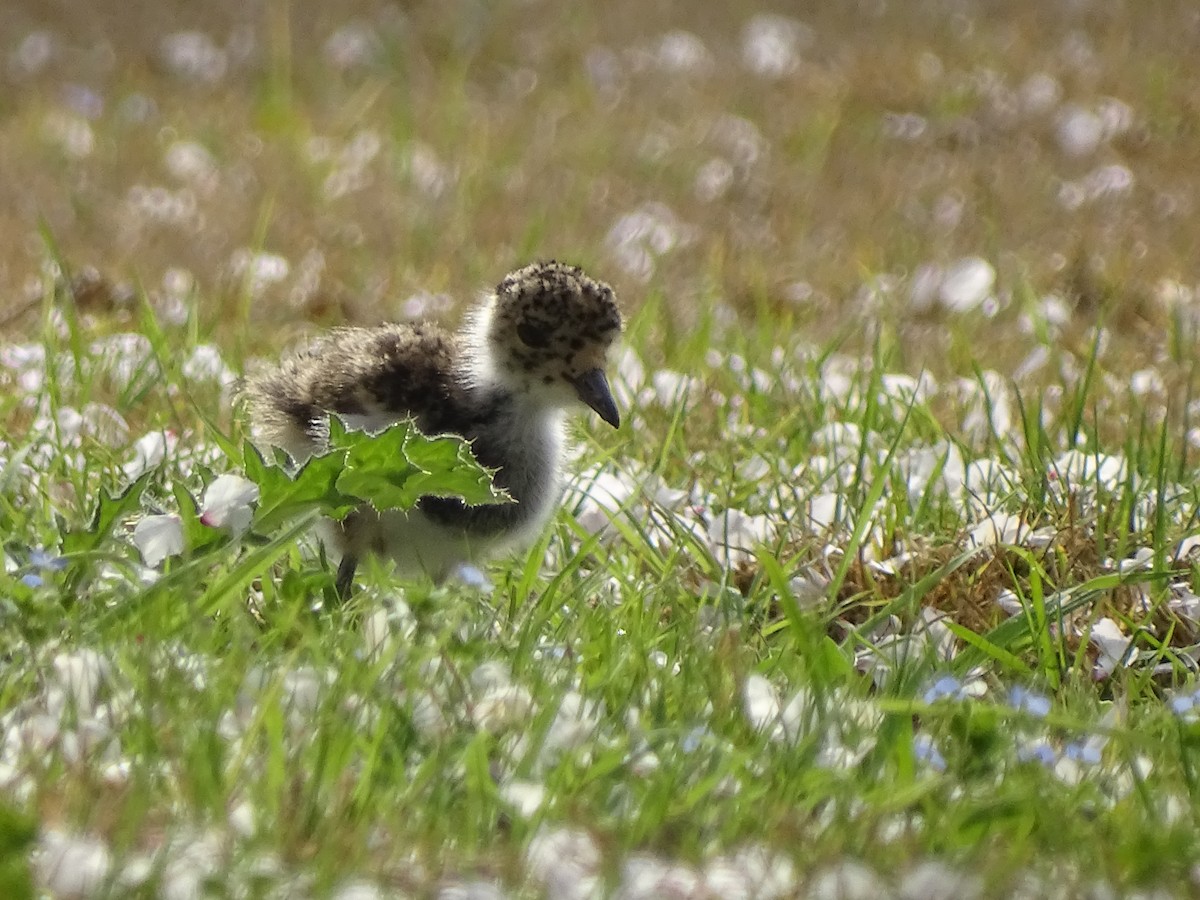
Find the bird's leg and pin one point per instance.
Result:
(345, 576)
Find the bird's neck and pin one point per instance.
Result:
(478, 365)
(523, 440)
(487, 378)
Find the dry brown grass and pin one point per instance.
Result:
(967, 593)
(542, 163)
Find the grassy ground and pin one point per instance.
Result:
(885, 587)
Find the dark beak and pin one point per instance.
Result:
(592, 388)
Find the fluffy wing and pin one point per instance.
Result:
(370, 376)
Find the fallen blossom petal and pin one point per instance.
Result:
(71, 865)
(1113, 645)
(761, 704)
(158, 537)
(149, 452)
(524, 797)
(227, 503)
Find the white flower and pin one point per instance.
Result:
(1080, 131)
(1077, 469)
(771, 45)
(847, 879)
(683, 52)
(72, 865)
(205, 364)
(502, 707)
(574, 724)
(158, 537)
(598, 497)
(190, 162)
(352, 46)
(260, 270)
(227, 503)
(933, 880)
(1040, 93)
(1001, 528)
(565, 861)
(471, 576)
(388, 628)
(242, 819)
(762, 707)
(149, 452)
(1113, 645)
(639, 237)
(524, 797)
(79, 676)
(194, 56)
(733, 535)
(966, 284)
(358, 890)
(646, 877)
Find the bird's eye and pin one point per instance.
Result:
(533, 334)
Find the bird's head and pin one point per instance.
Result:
(547, 331)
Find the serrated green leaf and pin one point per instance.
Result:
(377, 469)
(449, 469)
(382, 488)
(394, 468)
(391, 469)
(111, 509)
(283, 496)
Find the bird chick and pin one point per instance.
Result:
(536, 346)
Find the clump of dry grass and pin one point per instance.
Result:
(452, 146)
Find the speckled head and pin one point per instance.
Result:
(547, 330)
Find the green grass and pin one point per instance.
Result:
(846, 597)
(665, 694)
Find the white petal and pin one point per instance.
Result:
(574, 724)
(1112, 643)
(71, 865)
(227, 503)
(565, 861)
(761, 703)
(967, 284)
(525, 797)
(1187, 547)
(158, 537)
(358, 890)
(79, 675)
(502, 708)
(149, 452)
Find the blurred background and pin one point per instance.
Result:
(804, 164)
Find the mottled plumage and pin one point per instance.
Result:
(536, 346)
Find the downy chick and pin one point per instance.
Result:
(534, 348)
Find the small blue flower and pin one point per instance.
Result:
(40, 562)
(40, 559)
(1082, 752)
(473, 577)
(1038, 751)
(927, 752)
(946, 687)
(1027, 701)
(692, 740)
(1185, 705)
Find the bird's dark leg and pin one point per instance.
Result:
(345, 576)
